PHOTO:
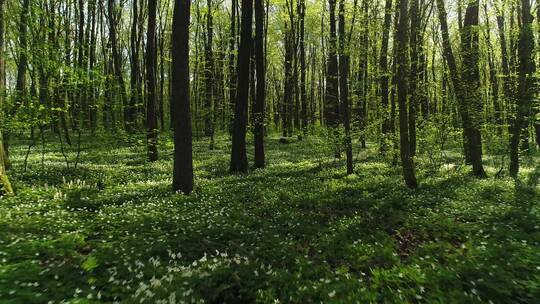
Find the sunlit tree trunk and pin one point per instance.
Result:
(5, 185)
(465, 92)
(402, 95)
(526, 84)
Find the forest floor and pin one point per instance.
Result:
(300, 231)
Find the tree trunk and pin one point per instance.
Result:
(259, 117)
(117, 60)
(402, 94)
(302, 47)
(471, 83)
(414, 74)
(383, 65)
(5, 185)
(331, 106)
(526, 84)
(344, 87)
(472, 139)
(209, 75)
(151, 59)
(131, 106)
(239, 162)
(180, 99)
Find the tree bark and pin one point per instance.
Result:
(472, 139)
(527, 69)
(180, 99)
(117, 60)
(331, 106)
(151, 59)
(259, 117)
(402, 94)
(344, 87)
(383, 65)
(239, 162)
(5, 185)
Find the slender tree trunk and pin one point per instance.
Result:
(331, 109)
(232, 63)
(180, 104)
(20, 86)
(151, 58)
(402, 94)
(209, 74)
(288, 85)
(344, 87)
(259, 117)
(302, 47)
(131, 106)
(117, 61)
(414, 73)
(383, 65)
(239, 162)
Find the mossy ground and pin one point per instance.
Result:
(300, 231)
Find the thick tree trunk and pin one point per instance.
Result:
(180, 104)
(239, 162)
(471, 86)
(472, 139)
(402, 94)
(5, 185)
(526, 84)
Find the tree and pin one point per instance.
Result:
(383, 65)
(180, 101)
(472, 101)
(260, 99)
(402, 95)
(239, 163)
(5, 185)
(465, 92)
(344, 86)
(130, 109)
(526, 84)
(209, 75)
(151, 59)
(117, 60)
(414, 73)
(331, 109)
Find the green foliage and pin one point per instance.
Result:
(300, 231)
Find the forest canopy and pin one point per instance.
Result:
(269, 151)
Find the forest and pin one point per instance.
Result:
(269, 151)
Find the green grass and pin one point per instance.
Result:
(300, 231)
